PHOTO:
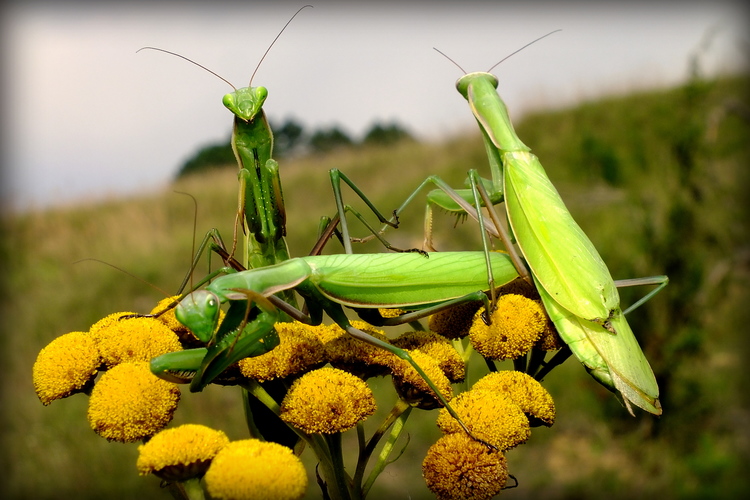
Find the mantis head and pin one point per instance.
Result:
(463, 83)
(246, 102)
(199, 311)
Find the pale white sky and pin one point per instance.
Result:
(84, 116)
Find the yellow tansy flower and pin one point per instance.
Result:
(438, 347)
(454, 323)
(353, 355)
(458, 468)
(180, 453)
(326, 401)
(67, 365)
(517, 324)
(108, 321)
(489, 416)
(392, 313)
(524, 390)
(413, 388)
(255, 470)
(299, 349)
(132, 339)
(130, 403)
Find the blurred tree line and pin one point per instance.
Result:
(290, 138)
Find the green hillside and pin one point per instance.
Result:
(659, 182)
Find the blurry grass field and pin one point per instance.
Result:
(657, 180)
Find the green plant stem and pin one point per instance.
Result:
(343, 482)
(251, 427)
(187, 490)
(397, 421)
(194, 489)
(318, 443)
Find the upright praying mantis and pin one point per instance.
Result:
(573, 281)
(261, 214)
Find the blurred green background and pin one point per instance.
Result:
(657, 180)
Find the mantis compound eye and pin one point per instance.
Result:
(199, 312)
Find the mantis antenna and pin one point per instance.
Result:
(190, 61)
(519, 50)
(218, 75)
(274, 41)
(501, 60)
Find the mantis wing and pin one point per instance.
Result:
(575, 284)
(615, 360)
(559, 253)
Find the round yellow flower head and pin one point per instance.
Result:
(130, 403)
(454, 323)
(108, 321)
(326, 401)
(489, 416)
(299, 349)
(132, 339)
(355, 356)
(251, 469)
(67, 365)
(524, 390)
(517, 324)
(413, 388)
(459, 468)
(550, 340)
(180, 453)
(392, 313)
(438, 347)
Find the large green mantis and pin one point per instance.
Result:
(574, 282)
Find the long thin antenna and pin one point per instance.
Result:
(166, 294)
(190, 61)
(274, 41)
(519, 50)
(451, 60)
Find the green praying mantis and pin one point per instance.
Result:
(573, 281)
(261, 215)
(364, 282)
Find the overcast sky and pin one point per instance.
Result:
(84, 116)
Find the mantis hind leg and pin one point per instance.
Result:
(661, 281)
